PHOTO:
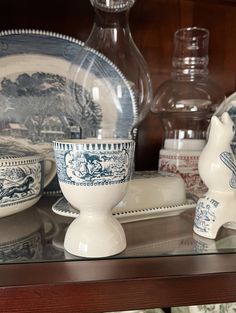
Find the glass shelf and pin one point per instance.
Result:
(164, 265)
(163, 262)
(37, 235)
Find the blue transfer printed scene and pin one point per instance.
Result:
(94, 167)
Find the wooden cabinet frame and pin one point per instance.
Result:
(117, 284)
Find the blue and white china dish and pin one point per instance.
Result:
(35, 104)
(22, 179)
(93, 175)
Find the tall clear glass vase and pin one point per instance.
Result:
(111, 36)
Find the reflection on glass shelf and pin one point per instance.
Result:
(25, 236)
(37, 235)
(174, 236)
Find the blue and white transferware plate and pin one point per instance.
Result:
(34, 106)
(63, 207)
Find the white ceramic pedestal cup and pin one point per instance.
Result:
(22, 180)
(93, 176)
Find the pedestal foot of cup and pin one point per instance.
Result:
(95, 237)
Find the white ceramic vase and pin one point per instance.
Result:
(217, 169)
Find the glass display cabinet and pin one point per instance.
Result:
(164, 264)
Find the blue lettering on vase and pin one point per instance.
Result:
(205, 213)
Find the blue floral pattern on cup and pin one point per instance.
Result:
(94, 163)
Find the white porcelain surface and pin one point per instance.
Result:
(184, 144)
(99, 236)
(217, 169)
(152, 191)
(22, 179)
(93, 176)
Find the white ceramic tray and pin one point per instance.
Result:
(62, 207)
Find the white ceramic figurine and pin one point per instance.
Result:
(217, 169)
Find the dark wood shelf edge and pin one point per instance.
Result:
(117, 284)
